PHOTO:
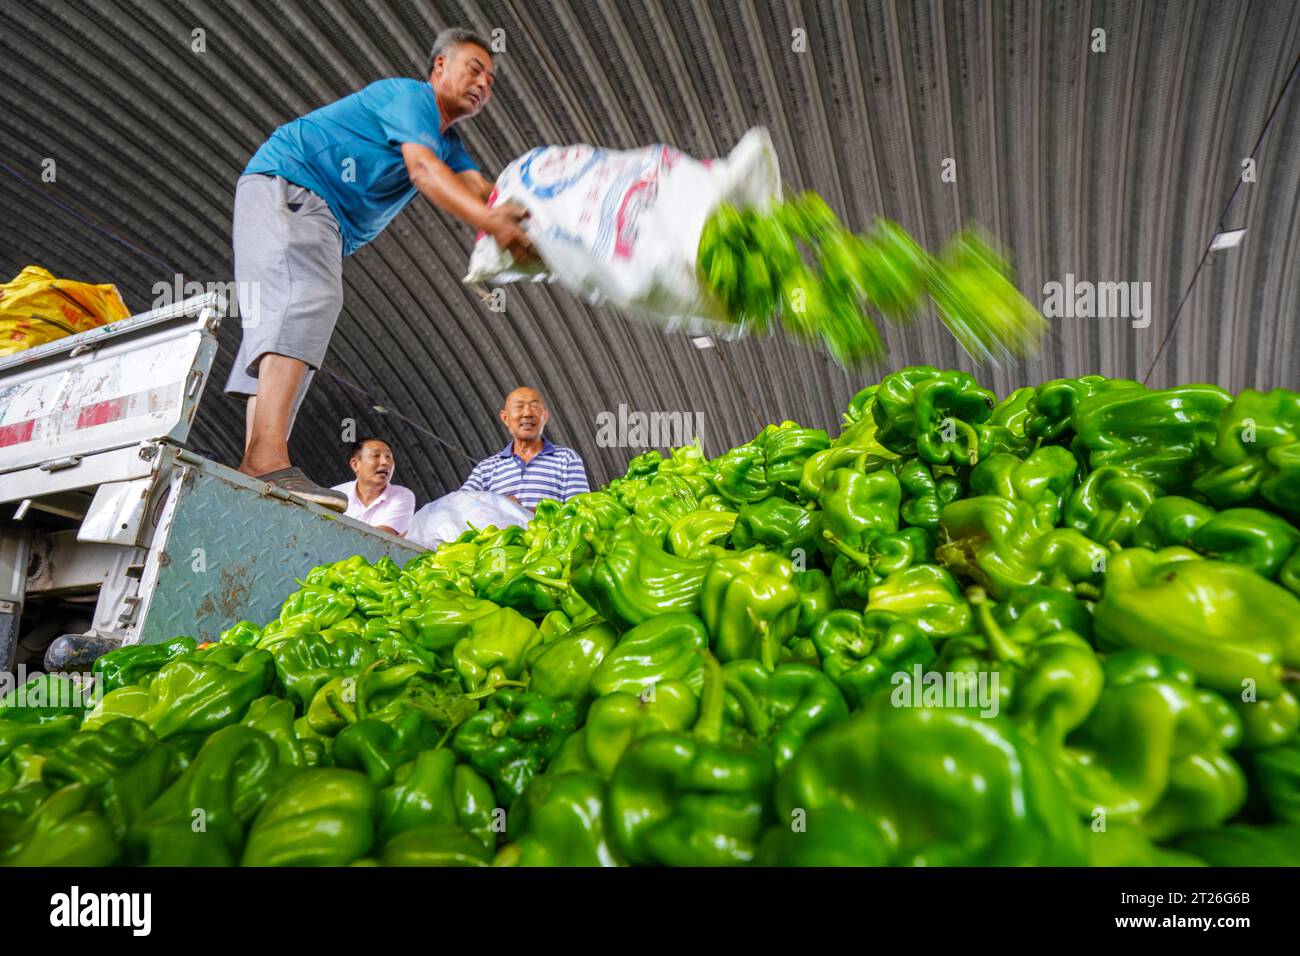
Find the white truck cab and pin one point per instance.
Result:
(112, 532)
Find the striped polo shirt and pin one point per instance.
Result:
(555, 472)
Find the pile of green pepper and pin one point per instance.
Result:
(795, 261)
(729, 661)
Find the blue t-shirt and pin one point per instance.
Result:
(350, 153)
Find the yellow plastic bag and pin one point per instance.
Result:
(36, 308)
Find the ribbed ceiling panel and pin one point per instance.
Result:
(1107, 166)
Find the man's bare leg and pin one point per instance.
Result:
(269, 414)
(248, 421)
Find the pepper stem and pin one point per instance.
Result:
(495, 687)
(1090, 591)
(754, 714)
(860, 558)
(543, 579)
(766, 652)
(1003, 647)
(972, 439)
(712, 701)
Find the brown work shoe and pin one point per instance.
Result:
(299, 485)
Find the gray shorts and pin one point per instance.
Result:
(289, 275)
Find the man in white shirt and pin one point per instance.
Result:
(371, 498)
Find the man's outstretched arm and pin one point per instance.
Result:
(478, 184)
(462, 197)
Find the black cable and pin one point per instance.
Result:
(1295, 69)
(46, 194)
(385, 410)
(758, 421)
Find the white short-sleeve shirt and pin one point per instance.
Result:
(393, 508)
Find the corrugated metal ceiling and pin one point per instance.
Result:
(1107, 165)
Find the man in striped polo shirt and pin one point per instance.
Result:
(530, 468)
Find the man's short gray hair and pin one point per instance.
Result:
(448, 40)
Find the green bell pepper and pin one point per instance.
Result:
(780, 709)
(531, 586)
(855, 451)
(46, 697)
(1042, 481)
(666, 496)
(923, 411)
(434, 790)
(1007, 428)
(559, 821)
(858, 506)
(924, 495)
(696, 535)
(496, 650)
(618, 718)
(274, 716)
(434, 846)
(1110, 504)
(854, 571)
(1227, 623)
(740, 475)
(378, 748)
(319, 817)
(919, 786)
(1274, 774)
(663, 648)
(385, 690)
(1258, 539)
(787, 448)
(1034, 610)
(629, 579)
(553, 625)
(305, 664)
(780, 526)
(513, 738)
(816, 598)
(563, 669)
(64, 831)
(1164, 436)
(926, 595)
(1268, 723)
(127, 665)
(1276, 844)
(1257, 451)
(243, 634)
(320, 605)
(129, 701)
(1051, 410)
(861, 652)
(681, 799)
(750, 605)
(999, 544)
(441, 619)
(17, 733)
(1048, 684)
(1154, 750)
(200, 819)
(193, 693)
(121, 763)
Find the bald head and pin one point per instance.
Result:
(524, 414)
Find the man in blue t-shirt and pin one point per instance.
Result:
(320, 188)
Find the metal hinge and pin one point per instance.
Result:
(59, 464)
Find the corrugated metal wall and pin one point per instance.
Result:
(1109, 165)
